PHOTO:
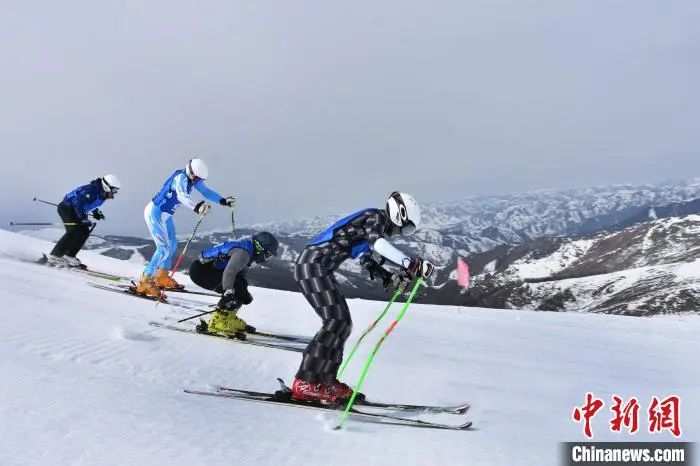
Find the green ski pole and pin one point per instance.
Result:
(371, 327)
(344, 416)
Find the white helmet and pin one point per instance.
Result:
(111, 184)
(196, 168)
(404, 212)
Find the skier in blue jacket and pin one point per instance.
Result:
(74, 210)
(222, 268)
(176, 190)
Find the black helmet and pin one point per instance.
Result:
(265, 245)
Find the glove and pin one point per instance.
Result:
(98, 215)
(389, 279)
(397, 281)
(371, 266)
(420, 268)
(229, 301)
(227, 201)
(202, 208)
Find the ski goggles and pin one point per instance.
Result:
(261, 252)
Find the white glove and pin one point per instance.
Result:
(202, 208)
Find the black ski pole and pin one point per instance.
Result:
(16, 224)
(36, 199)
(194, 317)
(179, 321)
(233, 223)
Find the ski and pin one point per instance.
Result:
(127, 291)
(106, 276)
(276, 336)
(283, 398)
(456, 409)
(186, 291)
(243, 338)
(44, 260)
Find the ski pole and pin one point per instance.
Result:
(195, 316)
(180, 321)
(398, 318)
(36, 199)
(16, 224)
(187, 244)
(366, 332)
(233, 224)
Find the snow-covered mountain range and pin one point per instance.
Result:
(573, 243)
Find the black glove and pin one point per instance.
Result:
(98, 215)
(228, 201)
(420, 268)
(389, 280)
(202, 208)
(229, 301)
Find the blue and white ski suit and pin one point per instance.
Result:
(159, 216)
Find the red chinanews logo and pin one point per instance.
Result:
(662, 414)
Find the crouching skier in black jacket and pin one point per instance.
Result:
(357, 235)
(221, 268)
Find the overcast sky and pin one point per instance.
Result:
(304, 108)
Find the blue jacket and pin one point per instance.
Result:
(327, 234)
(86, 198)
(177, 189)
(219, 253)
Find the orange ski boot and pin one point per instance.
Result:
(164, 281)
(147, 287)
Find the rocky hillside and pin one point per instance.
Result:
(649, 268)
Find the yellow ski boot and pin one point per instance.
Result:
(226, 323)
(147, 287)
(163, 280)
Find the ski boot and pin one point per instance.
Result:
(147, 287)
(74, 262)
(226, 323)
(325, 393)
(57, 261)
(345, 389)
(164, 281)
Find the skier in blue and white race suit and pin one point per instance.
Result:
(158, 213)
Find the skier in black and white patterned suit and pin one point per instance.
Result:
(356, 236)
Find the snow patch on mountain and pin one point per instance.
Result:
(531, 267)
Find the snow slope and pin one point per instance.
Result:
(84, 382)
